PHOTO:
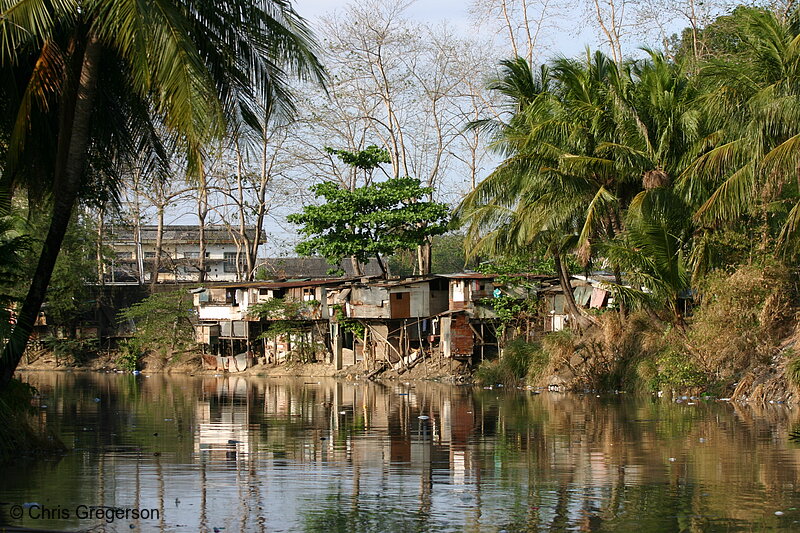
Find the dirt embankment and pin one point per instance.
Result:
(189, 362)
(770, 383)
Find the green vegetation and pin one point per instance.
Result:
(288, 318)
(679, 176)
(374, 220)
(13, 246)
(94, 89)
(520, 361)
(162, 325)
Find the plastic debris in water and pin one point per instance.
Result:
(423, 417)
(779, 513)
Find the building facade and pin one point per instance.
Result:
(134, 253)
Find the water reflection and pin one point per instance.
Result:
(253, 454)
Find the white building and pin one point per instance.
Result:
(135, 251)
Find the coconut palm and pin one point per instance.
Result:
(597, 139)
(86, 84)
(748, 176)
(534, 196)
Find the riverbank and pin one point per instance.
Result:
(741, 343)
(189, 362)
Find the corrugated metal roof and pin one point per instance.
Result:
(177, 234)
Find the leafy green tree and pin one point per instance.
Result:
(447, 256)
(370, 221)
(87, 84)
(163, 322)
(13, 247)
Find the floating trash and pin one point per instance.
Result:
(423, 417)
(779, 513)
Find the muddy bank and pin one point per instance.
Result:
(190, 362)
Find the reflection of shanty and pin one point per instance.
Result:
(224, 420)
(384, 323)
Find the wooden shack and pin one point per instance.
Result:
(227, 325)
(396, 315)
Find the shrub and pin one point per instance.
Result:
(71, 351)
(520, 360)
(676, 370)
(793, 369)
(129, 354)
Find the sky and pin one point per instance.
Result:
(456, 13)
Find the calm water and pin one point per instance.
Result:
(261, 454)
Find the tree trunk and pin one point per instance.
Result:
(73, 143)
(580, 320)
(381, 265)
(159, 245)
(99, 246)
(202, 212)
(356, 267)
(424, 257)
(137, 228)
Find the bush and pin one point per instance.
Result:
(71, 351)
(676, 371)
(129, 354)
(520, 360)
(793, 369)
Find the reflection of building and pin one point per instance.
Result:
(135, 252)
(223, 419)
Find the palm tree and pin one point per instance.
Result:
(596, 139)
(527, 199)
(90, 82)
(749, 173)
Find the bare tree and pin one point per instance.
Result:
(528, 27)
(163, 193)
(399, 84)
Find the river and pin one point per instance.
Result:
(228, 454)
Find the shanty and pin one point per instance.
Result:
(379, 323)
